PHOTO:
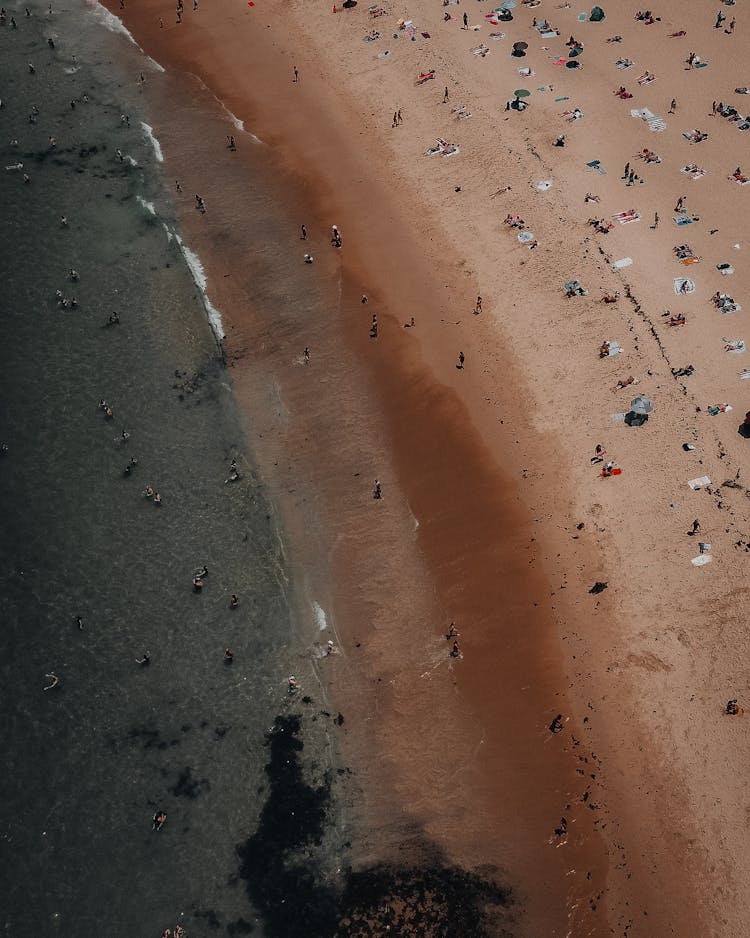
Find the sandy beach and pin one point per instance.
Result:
(493, 515)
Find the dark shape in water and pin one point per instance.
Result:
(286, 886)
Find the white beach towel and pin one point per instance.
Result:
(701, 560)
(683, 285)
(623, 262)
(697, 484)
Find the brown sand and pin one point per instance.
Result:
(492, 462)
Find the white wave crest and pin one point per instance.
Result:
(154, 64)
(199, 276)
(320, 616)
(149, 131)
(149, 206)
(111, 22)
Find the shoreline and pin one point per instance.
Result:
(625, 636)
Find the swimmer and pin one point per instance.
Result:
(159, 820)
(149, 492)
(145, 660)
(233, 601)
(308, 258)
(157, 498)
(54, 681)
(228, 654)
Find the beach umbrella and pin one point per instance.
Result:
(508, 4)
(521, 45)
(521, 93)
(641, 405)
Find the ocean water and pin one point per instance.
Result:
(88, 763)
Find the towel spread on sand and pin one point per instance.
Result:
(625, 218)
(701, 560)
(683, 285)
(697, 484)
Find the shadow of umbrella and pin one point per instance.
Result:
(521, 93)
(519, 49)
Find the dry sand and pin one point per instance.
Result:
(486, 471)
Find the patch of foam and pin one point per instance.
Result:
(320, 616)
(111, 22)
(149, 131)
(149, 206)
(129, 159)
(199, 276)
(71, 70)
(169, 233)
(154, 64)
(237, 123)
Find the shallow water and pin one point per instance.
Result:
(89, 762)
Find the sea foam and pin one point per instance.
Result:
(111, 22)
(199, 276)
(320, 616)
(149, 131)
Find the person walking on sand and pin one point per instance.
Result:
(679, 204)
(730, 29)
(626, 171)
(377, 492)
(296, 74)
(672, 106)
(303, 233)
(445, 95)
(466, 21)
(399, 118)
(461, 360)
(394, 122)
(656, 221)
(478, 306)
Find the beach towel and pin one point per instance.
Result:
(544, 184)
(614, 349)
(744, 375)
(695, 172)
(597, 166)
(656, 125)
(697, 484)
(683, 285)
(681, 220)
(625, 218)
(734, 345)
(624, 63)
(716, 409)
(525, 237)
(701, 64)
(623, 262)
(642, 112)
(701, 560)
(497, 36)
(550, 34)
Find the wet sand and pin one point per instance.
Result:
(523, 422)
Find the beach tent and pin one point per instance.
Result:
(597, 15)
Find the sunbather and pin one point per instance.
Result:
(610, 297)
(685, 372)
(678, 320)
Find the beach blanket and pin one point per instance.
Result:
(681, 220)
(701, 560)
(683, 285)
(716, 409)
(614, 349)
(623, 262)
(481, 50)
(642, 112)
(697, 484)
(656, 125)
(744, 374)
(624, 63)
(695, 172)
(646, 79)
